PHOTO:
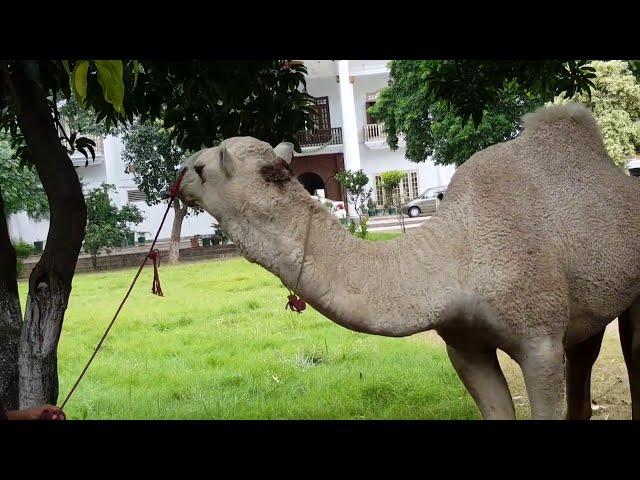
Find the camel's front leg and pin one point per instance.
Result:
(482, 376)
(542, 363)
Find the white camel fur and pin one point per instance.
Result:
(534, 250)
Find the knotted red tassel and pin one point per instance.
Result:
(156, 289)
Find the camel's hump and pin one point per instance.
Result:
(573, 115)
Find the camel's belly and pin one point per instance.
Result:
(582, 327)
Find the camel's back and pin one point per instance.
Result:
(553, 194)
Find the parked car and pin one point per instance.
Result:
(634, 167)
(426, 203)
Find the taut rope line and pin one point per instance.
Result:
(154, 256)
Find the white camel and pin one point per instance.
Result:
(534, 250)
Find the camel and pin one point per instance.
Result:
(533, 251)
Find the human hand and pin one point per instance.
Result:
(41, 412)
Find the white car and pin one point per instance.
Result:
(634, 167)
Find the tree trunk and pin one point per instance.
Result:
(50, 280)
(10, 317)
(179, 210)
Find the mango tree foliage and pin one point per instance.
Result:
(469, 87)
(615, 102)
(432, 129)
(204, 101)
(30, 92)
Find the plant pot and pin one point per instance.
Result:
(38, 246)
(206, 242)
(195, 243)
(142, 240)
(131, 239)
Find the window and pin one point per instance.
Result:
(408, 188)
(323, 120)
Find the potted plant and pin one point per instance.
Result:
(218, 237)
(371, 207)
(131, 239)
(142, 239)
(355, 184)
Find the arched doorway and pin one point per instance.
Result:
(311, 182)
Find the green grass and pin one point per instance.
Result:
(220, 345)
(379, 236)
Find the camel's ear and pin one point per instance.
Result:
(226, 161)
(284, 151)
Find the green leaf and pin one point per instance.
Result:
(92, 151)
(79, 81)
(65, 64)
(112, 83)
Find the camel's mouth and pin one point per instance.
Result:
(188, 200)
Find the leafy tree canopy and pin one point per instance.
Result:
(433, 129)
(21, 188)
(615, 102)
(107, 225)
(469, 87)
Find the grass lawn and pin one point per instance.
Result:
(220, 345)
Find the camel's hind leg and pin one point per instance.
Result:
(580, 360)
(629, 327)
(481, 375)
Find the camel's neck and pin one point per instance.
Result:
(374, 287)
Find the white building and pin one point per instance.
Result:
(345, 137)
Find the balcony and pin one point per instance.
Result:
(320, 138)
(375, 136)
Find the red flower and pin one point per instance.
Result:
(340, 206)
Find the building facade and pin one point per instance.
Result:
(345, 137)
(348, 137)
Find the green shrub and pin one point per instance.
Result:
(23, 250)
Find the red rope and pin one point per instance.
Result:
(154, 255)
(156, 289)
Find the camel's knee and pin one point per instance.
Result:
(542, 363)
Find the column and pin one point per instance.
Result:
(349, 125)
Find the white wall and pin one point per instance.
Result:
(27, 229)
(112, 171)
(191, 225)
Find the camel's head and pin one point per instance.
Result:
(222, 179)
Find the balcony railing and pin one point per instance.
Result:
(318, 138)
(375, 133)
